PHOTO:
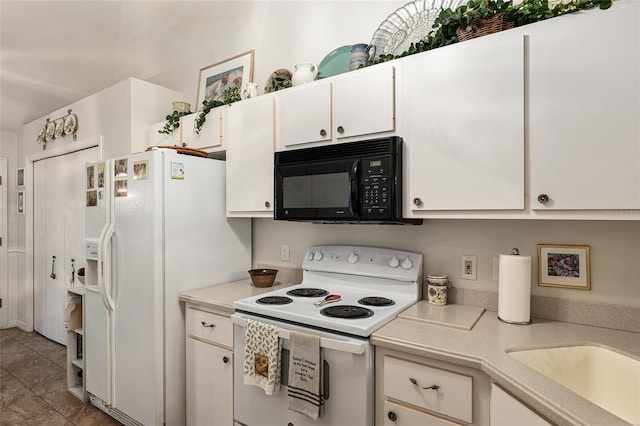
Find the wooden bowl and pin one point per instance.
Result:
(263, 277)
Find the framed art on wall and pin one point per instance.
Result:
(20, 202)
(564, 266)
(20, 178)
(215, 79)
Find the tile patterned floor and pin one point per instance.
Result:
(33, 384)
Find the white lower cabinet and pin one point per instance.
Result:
(508, 411)
(209, 368)
(411, 390)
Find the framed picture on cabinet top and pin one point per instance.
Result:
(20, 202)
(20, 177)
(565, 266)
(215, 79)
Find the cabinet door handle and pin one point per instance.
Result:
(415, 382)
(225, 359)
(323, 133)
(543, 198)
(340, 129)
(392, 416)
(417, 201)
(53, 266)
(204, 324)
(267, 204)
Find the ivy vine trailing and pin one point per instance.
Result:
(229, 96)
(526, 12)
(173, 122)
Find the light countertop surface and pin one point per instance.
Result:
(484, 346)
(222, 296)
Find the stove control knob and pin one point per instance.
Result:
(394, 262)
(407, 263)
(317, 255)
(353, 258)
(309, 255)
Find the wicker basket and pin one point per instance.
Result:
(485, 26)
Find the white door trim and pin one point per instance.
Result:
(95, 141)
(4, 283)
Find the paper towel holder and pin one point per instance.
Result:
(514, 252)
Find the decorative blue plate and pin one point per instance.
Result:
(335, 62)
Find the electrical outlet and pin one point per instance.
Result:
(284, 252)
(496, 269)
(468, 267)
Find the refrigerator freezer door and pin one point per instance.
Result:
(137, 288)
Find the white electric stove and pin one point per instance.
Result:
(366, 287)
(373, 286)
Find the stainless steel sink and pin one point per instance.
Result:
(604, 377)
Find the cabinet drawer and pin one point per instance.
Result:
(399, 415)
(210, 327)
(405, 381)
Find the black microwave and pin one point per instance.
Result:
(354, 182)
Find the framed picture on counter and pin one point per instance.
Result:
(564, 266)
(215, 79)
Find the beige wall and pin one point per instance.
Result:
(615, 249)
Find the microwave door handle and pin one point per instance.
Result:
(353, 183)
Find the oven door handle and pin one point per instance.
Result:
(338, 345)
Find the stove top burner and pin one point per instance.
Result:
(274, 300)
(346, 311)
(376, 301)
(308, 292)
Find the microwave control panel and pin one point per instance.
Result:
(376, 187)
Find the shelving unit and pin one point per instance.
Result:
(75, 348)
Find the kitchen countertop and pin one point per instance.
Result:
(222, 296)
(484, 346)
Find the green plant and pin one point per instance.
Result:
(173, 122)
(229, 96)
(527, 12)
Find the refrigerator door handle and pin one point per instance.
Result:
(105, 288)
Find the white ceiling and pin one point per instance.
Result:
(53, 53)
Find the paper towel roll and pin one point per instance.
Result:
(514, 289)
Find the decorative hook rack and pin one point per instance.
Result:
(59, 127)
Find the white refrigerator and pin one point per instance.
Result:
(155, 226)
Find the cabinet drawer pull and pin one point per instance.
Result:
(415, 382)
(204, 324)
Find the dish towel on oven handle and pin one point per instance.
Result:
(305, 375)
(262, 363)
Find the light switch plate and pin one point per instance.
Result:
(468, 267)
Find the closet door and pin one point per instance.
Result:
(59, 201)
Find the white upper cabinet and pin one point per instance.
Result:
(350, 105)
(585, 111)
(305, 114)
(250, 148)
(364, 102)
(464, 138)
(210, 136)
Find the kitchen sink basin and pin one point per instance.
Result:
(604, 377)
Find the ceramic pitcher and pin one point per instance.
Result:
(304, 73)
(250, 90)
(360, 54)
